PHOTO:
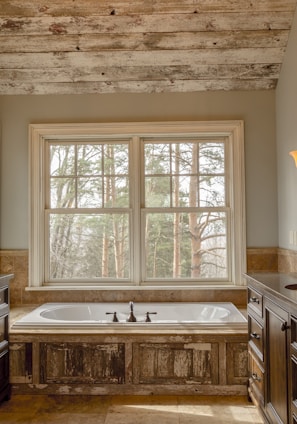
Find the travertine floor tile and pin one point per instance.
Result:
(142, 414)
(40, 409)
(69, 418)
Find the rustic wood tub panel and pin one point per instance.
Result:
(135, 364)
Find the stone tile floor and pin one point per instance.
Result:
(40, 409)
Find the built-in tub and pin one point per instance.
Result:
(160, 315)
(76, 349)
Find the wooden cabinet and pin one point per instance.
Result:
(276, 362)
(256, 346)
(272, 317)
(4, 355)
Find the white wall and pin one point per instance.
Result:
(286, 134)
(257, 109)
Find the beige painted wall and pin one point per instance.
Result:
(286, 132)
(257, 109)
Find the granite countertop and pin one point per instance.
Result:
(284, 285)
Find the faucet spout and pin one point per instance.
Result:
(131, 317)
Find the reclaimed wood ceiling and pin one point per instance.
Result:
(142, 46)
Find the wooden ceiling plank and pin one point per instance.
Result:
(151, 41)
(137, 87)
(120, 7)
(129, 73)
(141, 58)
(145, 24)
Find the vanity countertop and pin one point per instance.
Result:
(6, 277)
(280, 284)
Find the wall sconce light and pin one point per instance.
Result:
(293, 153)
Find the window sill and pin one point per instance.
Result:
(136, 288)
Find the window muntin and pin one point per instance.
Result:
(87, 186)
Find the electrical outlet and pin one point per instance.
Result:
(293, 237)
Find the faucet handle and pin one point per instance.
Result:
(148, 318)
(115, 318)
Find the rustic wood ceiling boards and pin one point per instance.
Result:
(143, 46)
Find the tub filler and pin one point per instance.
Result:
(94, 348)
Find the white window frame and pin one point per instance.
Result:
(39, 134)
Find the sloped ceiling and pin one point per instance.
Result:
(144, 46)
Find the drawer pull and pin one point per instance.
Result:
(285, 326)
(254, 300)
(255, 377)
(255, 335)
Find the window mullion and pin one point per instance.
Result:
(136, 199)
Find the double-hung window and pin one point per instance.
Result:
(138, 204)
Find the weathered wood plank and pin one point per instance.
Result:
(147, 73)
(75, 8)
(94, 46)
(145, 23)
(140, 41)
(20, 362)
(82, 363)
(15, 88)
(141, 389)
(141, 58)
(237, 363)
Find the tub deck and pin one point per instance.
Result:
(175, 318)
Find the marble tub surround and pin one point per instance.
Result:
(16, 262)
(25, 409)
(266, 259)
(262, 259)
(287, 261)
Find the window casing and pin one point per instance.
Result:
(137, 204)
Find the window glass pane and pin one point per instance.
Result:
(186, 245)
(183, 157)
(116, 192)
(157, 191)
(212, 158)
(89, 246)
(212, 191)
(89, 192)
(62, 160)
(116, 159)
(62, 193)
(89, 159)
(157, 158)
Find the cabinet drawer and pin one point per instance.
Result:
(256, 337)
(3, 328)
(4, 295)
(256, 378)
(255, 301)
(4, 366)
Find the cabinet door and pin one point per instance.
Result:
(276, 362)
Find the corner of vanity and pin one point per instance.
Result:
(272, 346)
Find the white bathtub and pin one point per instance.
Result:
(164, 316)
